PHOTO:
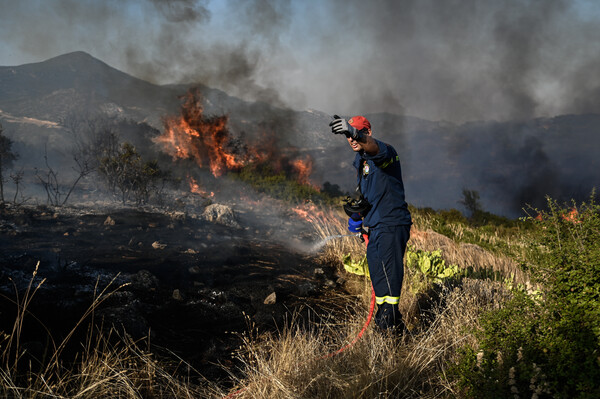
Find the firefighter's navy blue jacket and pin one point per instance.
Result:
(380, 180)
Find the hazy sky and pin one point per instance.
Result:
(452, 60)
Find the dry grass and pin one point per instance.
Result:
(295, 361)
(514, 243)
(293, 364)
(469, 256)
(108, 365)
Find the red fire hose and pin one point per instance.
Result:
(365, 237)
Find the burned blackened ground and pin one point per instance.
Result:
(185, 281)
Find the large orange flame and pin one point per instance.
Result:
(207, 141)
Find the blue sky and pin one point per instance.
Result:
(442, 60)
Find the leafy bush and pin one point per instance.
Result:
(429, 267)
(549, 344)
(352, 265)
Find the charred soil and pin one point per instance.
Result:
(185, 282)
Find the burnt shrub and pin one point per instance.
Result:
(130, 177)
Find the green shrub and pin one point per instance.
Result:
(352, 265)
(548, 344)
(428, 268)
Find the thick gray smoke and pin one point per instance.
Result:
(466, 60)
(442, 60)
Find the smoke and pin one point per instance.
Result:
(513, 164)
(522, 172)
(466, 60)
(182, 10)
(455, 60)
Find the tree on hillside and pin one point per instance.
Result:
(7, 157)
(97, 143)
(471, 201)
(93, 136)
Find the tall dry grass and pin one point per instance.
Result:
(512, 241)
(108, 365)
(469, 256)
(294, 363)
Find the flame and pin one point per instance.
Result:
(303, 213)
(539, 217)
(303, 169)
(310, 212)
(207, 141)
(191, 135)
(194, 186)
(572, 216)
(196, 189)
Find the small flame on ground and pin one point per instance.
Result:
(572, 216)
(303, 169)
(309, 212)
(195, 188)
(302, 213)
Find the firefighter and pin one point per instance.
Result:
(380, 186)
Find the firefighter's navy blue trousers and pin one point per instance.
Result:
(385, 254)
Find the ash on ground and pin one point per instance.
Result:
(183, 277)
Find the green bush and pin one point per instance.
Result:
(428, 268)
(545, 345)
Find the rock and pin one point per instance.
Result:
(319, 271)
(271, 299)
(109, 221)
(158, 245)
(329, 283)
(177, 295)
(222, 214)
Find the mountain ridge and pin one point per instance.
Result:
(510, 163)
